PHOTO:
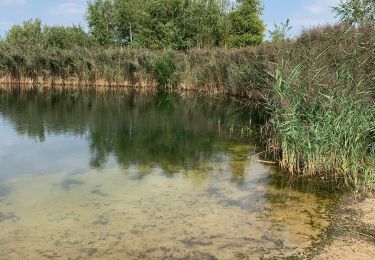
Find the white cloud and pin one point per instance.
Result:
(69, 8)
(315, 9)
(315, 12)
(13, 3)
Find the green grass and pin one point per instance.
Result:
(327, 131)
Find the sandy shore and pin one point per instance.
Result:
(352, 236)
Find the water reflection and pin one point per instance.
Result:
(133, 176)
(165, 130)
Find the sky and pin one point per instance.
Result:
(302, 13)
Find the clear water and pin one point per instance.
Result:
(131, 175)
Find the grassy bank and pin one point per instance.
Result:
(218, 70)
(321, 104)
(317, 92)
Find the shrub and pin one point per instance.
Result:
(166, 69)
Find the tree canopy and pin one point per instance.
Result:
(32, 32)
(356, 12)
(246, 27)
(153, 24)
(178, 24)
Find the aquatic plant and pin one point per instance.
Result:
(326, 131)
(321, 106)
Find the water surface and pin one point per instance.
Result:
(130, 175)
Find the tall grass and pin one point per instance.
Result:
(321, 106)
(327, 132)
(217, 70)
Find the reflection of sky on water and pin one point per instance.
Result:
(42, 134)
(21, 155)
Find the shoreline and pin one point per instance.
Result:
(351, 234)
(251, 96)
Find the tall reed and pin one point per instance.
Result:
(321, 105)
(328, 131)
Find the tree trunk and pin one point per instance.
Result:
(130, 33)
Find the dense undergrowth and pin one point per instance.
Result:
(317, 91)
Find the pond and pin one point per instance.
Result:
(129, 175)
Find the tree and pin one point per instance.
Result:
(129, 15)
(67, 37)
(33, 33)
(177, 24)
(29, 33)
(356, 12)
(246, 26)
(207, 23)
(100, 18)
(160, 28)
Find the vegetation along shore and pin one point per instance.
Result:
(316, 91)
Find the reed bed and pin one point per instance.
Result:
(198, 70)
(321, 106)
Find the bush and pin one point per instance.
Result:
(166, 69)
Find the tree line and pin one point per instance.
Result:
(177, 24)
(170, 24)
(34, 33)
(152, 24)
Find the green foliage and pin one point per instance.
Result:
(67, 37)
(166, 69)
(207, 23)
(129, 16)
(100, 18)
(32, 33)
(176, 24)
(280, 32)
(321, 104)
(327, 131)
(29, 33)
(246, 26)
(161, 29)
(356, 12)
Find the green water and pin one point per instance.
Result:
(126, 175)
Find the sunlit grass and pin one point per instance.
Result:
(326, 131)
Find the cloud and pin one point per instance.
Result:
(17, 3)
(315, 9)
(316, 12)
(69, 8)
(319, 7)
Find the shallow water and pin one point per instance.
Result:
(129, 176)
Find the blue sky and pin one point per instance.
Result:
(302, 13)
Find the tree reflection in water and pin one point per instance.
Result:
(148, 130)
